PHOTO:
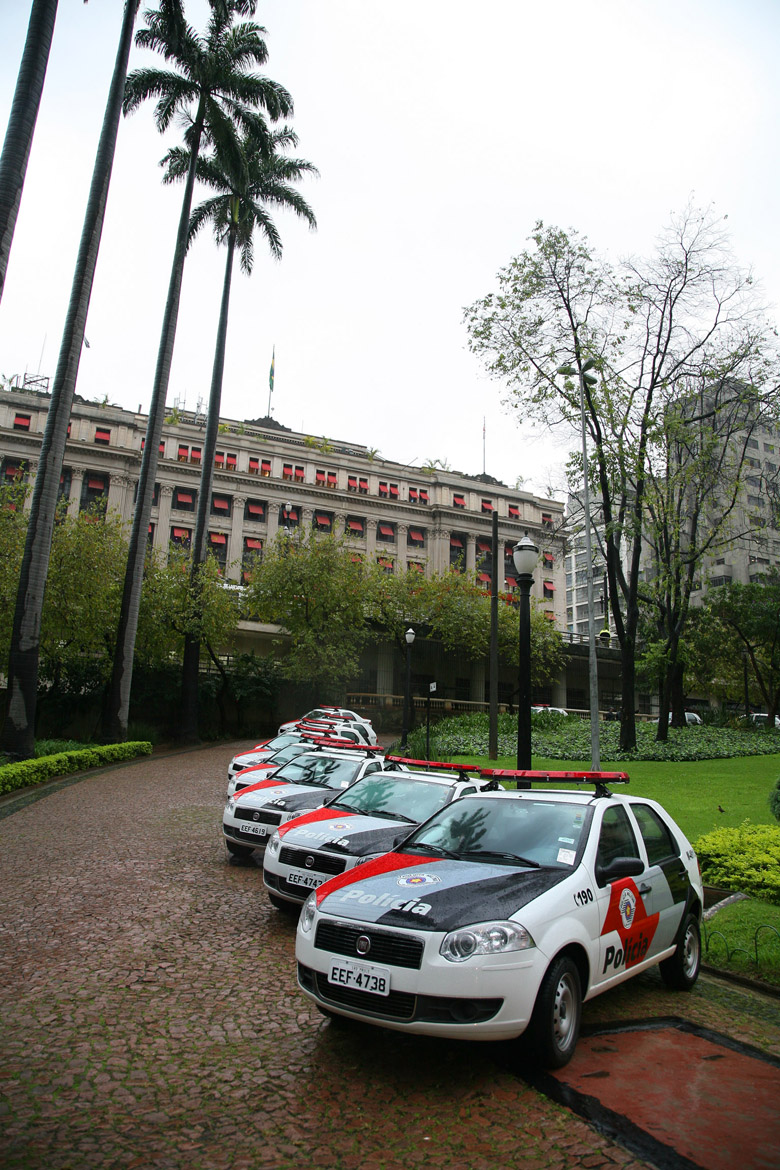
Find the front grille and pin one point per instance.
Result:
(400, 950)
(258, 815)
(323, 862)
(398, 1005)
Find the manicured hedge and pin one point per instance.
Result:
(42, 768)
(746, 860)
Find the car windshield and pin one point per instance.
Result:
(383, 795)
(534, 832)
(296, 748)
(278, 742)
(319, 772)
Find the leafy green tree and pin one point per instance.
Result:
(21, 124)
(248, 183)
(210, 85)
(18, 730)
(13, 530)
(635, 339)
(314, 589)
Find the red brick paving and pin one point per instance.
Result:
(151, 1017)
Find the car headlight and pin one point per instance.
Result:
(273, 845)
(368, 857)
(486, 938)
(231, 804)
(308, 913)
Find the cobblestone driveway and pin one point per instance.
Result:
(150, 1016)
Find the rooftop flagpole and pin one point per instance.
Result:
(271, 380)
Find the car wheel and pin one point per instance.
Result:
(238, 850)
(283, 905)
(555, 1025)
(681, 970)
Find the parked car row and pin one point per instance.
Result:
(433, 900)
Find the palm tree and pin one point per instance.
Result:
(210, 77)
(21, 124)
(18, 738)
(248, 182)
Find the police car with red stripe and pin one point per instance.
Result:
(351, 828)
(505, 911)
(252, 814)
(336, 715)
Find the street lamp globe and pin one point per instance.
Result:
(525, 554)
(409, 635)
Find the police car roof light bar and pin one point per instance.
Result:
(524, 777)
(435, 765)
(333, 741)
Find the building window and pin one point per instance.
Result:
(22, 422)
(548, 591)
(458, 501)
(487, 506)
(150, 536)
(287, 471)
(333, 479)
(184, 499)
(547, 520)
(254, 465)
(155, 494)
(253, 552)
(265, 467)
(514, 511)
(319, 477)
(417, 565)
(300, 474)
(221, 506)
(384, 491)
(355, 526)
(195, 455)
(323, 521)
(94, 488)
(363, 486)
(548, 558)
(218, 549)
(457, 549)
(219, 458)
(385, 532)
(352, 483)
(385, 563)
(181, 537)
(183, 455)
(254, 510)
(143, 444)
(424, 498)
(232, 461)
(412, 495)
(66, 479)
(394, 491)
(415, 538)
(288, 517)
(102, 436)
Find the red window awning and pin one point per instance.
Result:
(195, 455)
(299, 473)
(394, 490)
(549, 558)
(352, 481)
(320, 477)
(484, 546)
(266, 465)
(333, 477)
(22, 420)
(231, 461)
(459, 501)
(413, 494)
(546, 518)
(509, 550)
(255, 509)
(456, 542)
(102, 434)
(221, 503)
(183, 498)
(254, 464)
(253, 544)
(97, 485)
(483, 576)
(219, 459)
(185, 451)
(364, 484)
(415, 534)
(385, 563)
(487, 506)
(386, 530)
(424, 495)
(217, 538)
(355, 525)
(383, 489)
(416, 565)
(514, 511)
(322, 519)
(549, 585)
(181, 533)
(511, 579)
(11, 471)
(292, 514)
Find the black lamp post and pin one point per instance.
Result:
(409, 635)
(525, 555)
(745, 656)
(287, 510)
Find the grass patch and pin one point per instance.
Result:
(744, 938)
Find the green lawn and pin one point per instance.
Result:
(692, 791)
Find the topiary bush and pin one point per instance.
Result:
(26, 773)
(745, 860)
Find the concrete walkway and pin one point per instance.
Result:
(150, 1016)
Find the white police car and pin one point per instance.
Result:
(253, 814)
(503, 913)
(335, 715)
(351, 828)
(261, 751)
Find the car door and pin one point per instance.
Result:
(628, 921)
(666, 874)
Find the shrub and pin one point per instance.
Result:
(774, 800)
(36, 771)
(746, 860)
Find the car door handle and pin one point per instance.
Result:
(645, 889)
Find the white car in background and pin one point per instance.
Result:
(336, 715)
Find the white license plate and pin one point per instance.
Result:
(363, 976)
(258, 830)
(310, 880)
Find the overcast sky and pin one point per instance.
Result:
(442, 131)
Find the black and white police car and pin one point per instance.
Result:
(261, 751)
(353, 827)
(252, 814)
(505, 911)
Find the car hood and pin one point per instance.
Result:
(346, 833)
(432, 893)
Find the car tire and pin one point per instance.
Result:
(235, 850)
(551, 1037)
(681, 970)
(283, 905)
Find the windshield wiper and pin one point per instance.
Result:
(503, 857)
(344, 807)
(434, 850)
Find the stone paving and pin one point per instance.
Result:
(150, 1016)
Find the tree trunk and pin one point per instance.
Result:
(18, 737)
(118, 705)
(21, 124)
(190, 666)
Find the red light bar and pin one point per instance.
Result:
(530, 774)
(436, 764)
(335, 742)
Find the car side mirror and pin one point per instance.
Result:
(493, 786)
(619, 867)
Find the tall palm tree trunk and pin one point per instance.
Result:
(21, 124)
(117, 706)
(18, 738)
(190, 666)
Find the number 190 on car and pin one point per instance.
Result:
(362, 976)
